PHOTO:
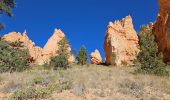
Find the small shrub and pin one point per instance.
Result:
(59, 61)
(1, 79)
(131, 87)
(79, 89)
(150, 61)
(13, 59)
(32, 93)
(113, 58)
(38, 80)
(28, 93)
(46, 66)
(11, 86)
(16, 44)
(61, 73)
(82, 56)
(64, 84)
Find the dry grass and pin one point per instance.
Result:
(90, 83)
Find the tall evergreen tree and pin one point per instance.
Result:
(148, 57)
(61, 60)
(6, 7)
(82, 56)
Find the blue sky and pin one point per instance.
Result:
(83, 21)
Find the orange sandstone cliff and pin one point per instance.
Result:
(162, 29)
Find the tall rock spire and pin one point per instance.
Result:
(121, 39)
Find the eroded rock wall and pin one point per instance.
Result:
(162, 29)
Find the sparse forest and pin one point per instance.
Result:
(60, 78)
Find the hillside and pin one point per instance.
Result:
(89, 82)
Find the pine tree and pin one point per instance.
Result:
(148, 57)
(113, 59)
(61, 60)
(13, 59)
(5, 7)
(82, 56)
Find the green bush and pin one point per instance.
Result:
(63, 46)
(82, 56)
(61, 60)
(148, 57)
(33, 94)
(13, 59)
(16, 44)
(38, 80)
(113, 58)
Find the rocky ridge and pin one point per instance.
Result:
(39, 55)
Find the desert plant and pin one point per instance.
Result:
(12, 59)
(82, 56)
(148, 57)
(113, 58)
(38, 80)
(32, 93)
(131, 87)
(59, 61)
(16, 44)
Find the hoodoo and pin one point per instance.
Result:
(96, 57)
(121, 39)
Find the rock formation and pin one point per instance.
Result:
(34, 51)
(121, 39)
(162, 29)
(96, 57)
(39, 55)
(51, 46)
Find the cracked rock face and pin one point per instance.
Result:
(121, 39)
(162, 29)
(39, 55)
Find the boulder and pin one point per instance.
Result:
(96, 57)
(161, 29)
(121, 39)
